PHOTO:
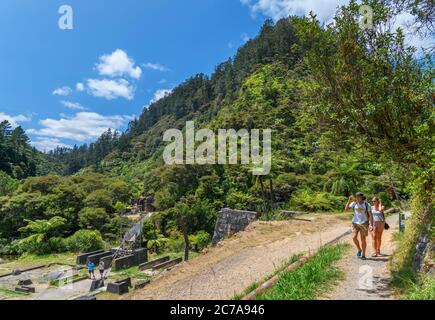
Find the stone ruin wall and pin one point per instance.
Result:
(231, 221)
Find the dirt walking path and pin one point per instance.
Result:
(243, 259)
(367, 280)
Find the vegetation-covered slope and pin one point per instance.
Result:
(349, 108)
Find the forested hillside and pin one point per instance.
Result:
(349, 109)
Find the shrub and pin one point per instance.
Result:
(85, 241)
(99, 199)
(45, 185)
(34, 245)
(56, 245)
(175, 243)
(7, 184)
(93, 218)
(9, 248)
(313, 201)
(239, 200)
(200, 240)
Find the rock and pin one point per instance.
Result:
(96, 284)
(16, 272)
(24, 282)
(118, 287)
(25, 289)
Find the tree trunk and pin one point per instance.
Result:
(263, 192)
(272, 194)
(186, 246)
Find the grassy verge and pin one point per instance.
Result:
(407, 282)
(255, 285)
(30, 260)
(311, 279)
(7, 293)
(424, 289)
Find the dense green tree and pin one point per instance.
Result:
(93, 218)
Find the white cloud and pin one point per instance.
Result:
(14, 120)
(72, 105)
(63, 91)
(158, 95)
(47, 144)
(80, 87)
(111, 89)
(82, 127)
(118, 64)
(277, 9)
(404, 21)
(155, 66)
(325, 10)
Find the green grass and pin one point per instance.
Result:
(30, 260)
(424, 289)
(132, 272)
(279, 270)
(407, 282)
(7, 293)
(311, 279)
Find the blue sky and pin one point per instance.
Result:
(66, 87)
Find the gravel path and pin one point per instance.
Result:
(243, 259)
(367, 280)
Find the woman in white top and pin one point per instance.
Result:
(378, 225)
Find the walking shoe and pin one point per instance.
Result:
(359, 253)
(363, 258)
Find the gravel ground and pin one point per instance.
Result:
(243, 259)
(367, 280)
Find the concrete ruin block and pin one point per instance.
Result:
(82, 258)
(118, 287)
(230, 222)
(86, 298)
(96, 284)
(24, 282)
(140, 256)
(95, 258)
(25, 289)
(126, 280)
(168, 264)
(107, 261)
(151, 264)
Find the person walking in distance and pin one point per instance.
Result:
(101, 268)
(362, 222)
(91, 270)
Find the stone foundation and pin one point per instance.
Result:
(81, 259)
(140, 256)
(230, 222)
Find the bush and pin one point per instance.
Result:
(312, 201)
(200, 240)
(8, 248)
(34, 245)
(239, 200)
(85, 241)
(7, 184)
(175, 243)
(93, 218)
(56, 245)
(99, 199)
